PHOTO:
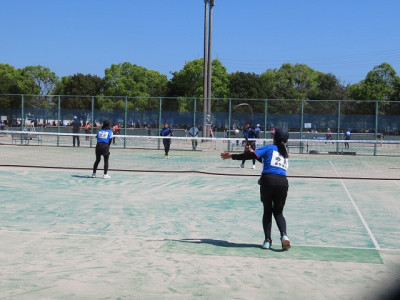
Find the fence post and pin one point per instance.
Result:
(265, 118)
(92, 122)
(125, 120)
(338, 128)
(59, 118)
(22, 117)
(194, 112)
(301, 126)
(159, 121)
(229, 122)
(376, 125)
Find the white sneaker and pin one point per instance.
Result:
(267, 244)
(94, 175)
(253, 167)
(241, 166)
(285, 242)
(106, 176)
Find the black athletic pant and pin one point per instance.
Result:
(96, 163)
(76, 137)
(253, 146)
(273, 190)
(167, 145)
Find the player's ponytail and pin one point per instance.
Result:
(280, 138)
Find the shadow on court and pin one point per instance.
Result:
(224, 244)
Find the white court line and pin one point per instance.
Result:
(371, 235)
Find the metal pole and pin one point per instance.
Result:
(125, 119)
(92, 122)
(338, 128)
(194, 111)
(376, 125)
(301, 126)
(205, 71)
(22, 116)
(59, 119)
(229, 123)
(265, 118)
(209, 61)
(159, 121)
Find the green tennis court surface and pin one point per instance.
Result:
(186, 235)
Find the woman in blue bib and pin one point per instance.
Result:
(273, 183)
(104, 138)
(166, 132)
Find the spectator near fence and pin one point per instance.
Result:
(87, 129)
(76, 127)
(115, 130)
(193, 132)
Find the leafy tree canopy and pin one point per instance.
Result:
(43, 78)
(188, 82)
(126, 79)
(381, 83)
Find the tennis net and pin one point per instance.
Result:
(308, 157)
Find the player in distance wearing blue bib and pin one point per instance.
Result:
(104, 138)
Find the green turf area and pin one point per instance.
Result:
(224, 248)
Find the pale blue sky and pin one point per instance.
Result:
(344, 37)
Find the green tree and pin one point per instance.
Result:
(380, 84)
(289, 82)
(15, 81)
(328, 87)
(246, 85)
(80, 88)
(126, 79)
(43, 78)
(188, 83)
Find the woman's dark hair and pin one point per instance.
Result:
(281, 136)
(106, 125)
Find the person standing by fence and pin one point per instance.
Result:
(76, 127)
(87, 129)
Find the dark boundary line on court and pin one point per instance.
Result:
(202, 172)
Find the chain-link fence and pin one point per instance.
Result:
(145, 116)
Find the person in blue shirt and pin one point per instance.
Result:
(249, 133)
(273, 183)
(104, 138)
(166, 131)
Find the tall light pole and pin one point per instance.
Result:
(207, 64)
(209, 70)
(205, 69)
